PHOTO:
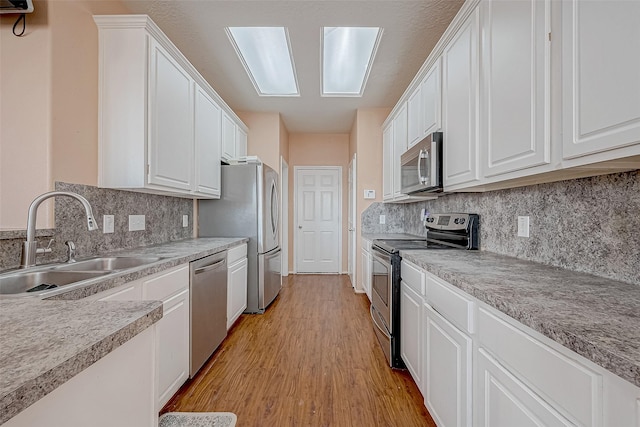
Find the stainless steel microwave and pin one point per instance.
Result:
(421, 166)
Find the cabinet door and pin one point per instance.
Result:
(514, 71)
(400, 146)
(228, 138)
(601, 69)
(236, 291)
(387, 163)
(504, 401)
(207, 144)
(170, 122)
(459, 98)
(366, 273)
(447, 371)
(431, 100)
(172, 347)
(414, 117)
(411, 332)
(241, 143)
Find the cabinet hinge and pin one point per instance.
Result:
(147, 169)
(549, 36)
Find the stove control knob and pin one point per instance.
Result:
(456, 221)
(462, 220)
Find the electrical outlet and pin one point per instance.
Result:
(383, 219)
(185, 220)
(523, 226)
(136, 222)
(108, 224)
(369, 194)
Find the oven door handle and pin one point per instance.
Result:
(381, 329)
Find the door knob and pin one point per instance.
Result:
(299, 226)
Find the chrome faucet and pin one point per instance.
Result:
(30, 247)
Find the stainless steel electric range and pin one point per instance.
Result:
(444, 231)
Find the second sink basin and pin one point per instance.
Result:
(109, 263)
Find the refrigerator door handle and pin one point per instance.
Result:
(274, 208)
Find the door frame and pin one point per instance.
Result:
(295, 213)
(284, 215)
(352, 268)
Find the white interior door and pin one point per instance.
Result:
(318, 198)
(351, 262)
(284, 215)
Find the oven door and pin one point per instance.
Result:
(381, 286)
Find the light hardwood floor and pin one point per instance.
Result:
(311, 360)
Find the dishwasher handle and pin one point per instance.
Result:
(210, 267)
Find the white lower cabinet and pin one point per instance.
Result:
(366, 267)
(505, 401)
(410, 331)
(481, 367)
(447, 373)
(236, 283)
(117, 390)
(172, 331)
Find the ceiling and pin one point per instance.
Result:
(197, 27)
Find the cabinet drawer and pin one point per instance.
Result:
(571, 388)
(450, 303)
(237, 253)
(413, 276)
(165, 284)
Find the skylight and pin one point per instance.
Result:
(347, 56)
(266, 55)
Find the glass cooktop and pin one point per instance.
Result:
(394, 246)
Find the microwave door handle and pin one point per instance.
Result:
(424, 154)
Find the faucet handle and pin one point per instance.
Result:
(46, 250)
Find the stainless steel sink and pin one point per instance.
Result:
(36, 282)
(109, 263)
(44, 280)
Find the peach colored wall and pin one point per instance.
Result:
(263, 139)
(49, 104)
(25, 121)
(319, 150)
(368, 145)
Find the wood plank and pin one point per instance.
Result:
(311, 360)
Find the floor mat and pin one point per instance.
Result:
(197, 419)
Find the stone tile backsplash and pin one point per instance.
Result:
(589, 225)
(163, 223)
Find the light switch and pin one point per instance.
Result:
(108, 222)
(185, 220)
(369, 194)
(383, 219)
(136, 222)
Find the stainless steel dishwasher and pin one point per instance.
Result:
(208, 314)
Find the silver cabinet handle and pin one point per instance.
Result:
(210, 267)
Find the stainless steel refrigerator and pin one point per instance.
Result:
(249, 207)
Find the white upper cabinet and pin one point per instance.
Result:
(170, 105)
(159, 120)
(399, 147)
(601, 78)
(459, 105)
(431, 100)
(207, 143)
(414, 117)
(241, 142)
(515, 85)
(228, 138)
(387, 161)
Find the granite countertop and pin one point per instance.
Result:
(45, 342)
(595, 317)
